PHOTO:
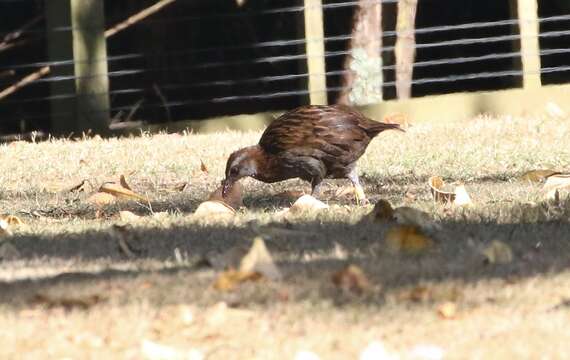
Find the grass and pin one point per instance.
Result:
(72, 294)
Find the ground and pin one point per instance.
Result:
(70, 292)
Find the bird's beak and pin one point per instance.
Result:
(226, 186)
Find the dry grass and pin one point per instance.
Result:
(69, 255)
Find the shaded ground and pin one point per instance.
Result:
(72, 293)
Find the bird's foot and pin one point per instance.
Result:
(361, 199)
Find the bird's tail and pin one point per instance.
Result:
(374, 128)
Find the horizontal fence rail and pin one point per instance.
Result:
(260, 70)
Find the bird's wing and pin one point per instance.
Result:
(330, 130)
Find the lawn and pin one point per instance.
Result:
(71, 290)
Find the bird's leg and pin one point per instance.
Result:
(359, 191)
(316, 187)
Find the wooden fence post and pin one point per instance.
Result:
(405, 47)
(315, 50)
(76, 32)
(527, 11)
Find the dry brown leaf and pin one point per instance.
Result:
(538, 176)
(230, 279)
(447, 310)
(441, 193)
(128, 216)
(81, 187)
(498, 253)
(123, 182)
(382, 212)
(259, 260)
(101, 199)
(555, 184)
(203, 167)
(12, 220)
(233, 198)
(352, 279)
(68, 303)
(405, 215)
(182, 186)
(307, 203)
(214, 209)
(119, 191)
(407, 239)
(436, 184)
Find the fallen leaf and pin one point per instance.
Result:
(233, 198)
(405, 215)
(436, 184)
(447, 310)
(214, 209)
(182, 186)
(259, 260)
(12, 220)
(255, 264)
(67, 302)
(555, 184)
(352, 279)
(203, 167)
(8, 251)
(101, 199)
(537, 176)
(441, 194)
(128, 216)
(230, 279)
(81, 187)
(5, 228)
(382, 212)
(119, 191)
(307, 203)
(498, 253)
(407, 239)
(123, 182)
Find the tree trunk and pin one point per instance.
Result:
(405, 47)
(362, 83)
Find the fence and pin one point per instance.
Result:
(72, 65)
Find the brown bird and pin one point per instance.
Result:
(310, 142)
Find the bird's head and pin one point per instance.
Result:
(241, 163)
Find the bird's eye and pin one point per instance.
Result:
(233, 171)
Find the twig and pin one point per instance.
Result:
(134, 109)
(18, 33)
(137, 17)
(164, 101)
